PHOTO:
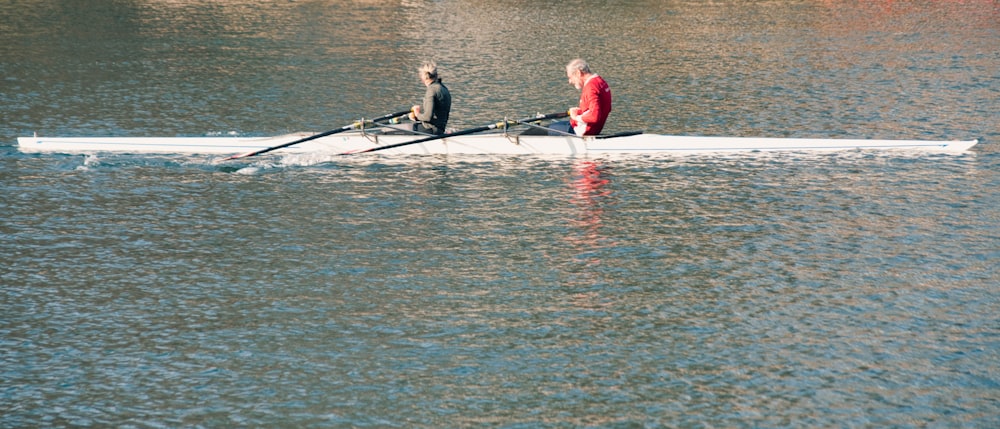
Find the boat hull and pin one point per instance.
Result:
(477, 144)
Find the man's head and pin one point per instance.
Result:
(428, 72)
(577, 72)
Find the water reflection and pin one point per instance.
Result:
(585, 277)
(590, 193)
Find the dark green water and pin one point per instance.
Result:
(783, 290)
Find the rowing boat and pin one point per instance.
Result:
(501, 143)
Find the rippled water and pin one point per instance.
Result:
(851, 289)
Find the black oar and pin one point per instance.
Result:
(463, 132)
(354, 126)
(597, 137)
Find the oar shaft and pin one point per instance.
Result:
(354, 126)
(463, 132)
(392, 115)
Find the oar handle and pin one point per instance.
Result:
(463, 132)
(354, 126)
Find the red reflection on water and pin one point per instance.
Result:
(933, 15)
(589, 183)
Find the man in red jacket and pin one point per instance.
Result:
(595, 99)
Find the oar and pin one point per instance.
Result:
(463, 132)
(597, 137)
(353, 126)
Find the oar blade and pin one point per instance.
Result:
(237, 156)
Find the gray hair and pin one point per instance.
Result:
(428, 69)
(578, 64)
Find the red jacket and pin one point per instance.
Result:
(595, 105)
